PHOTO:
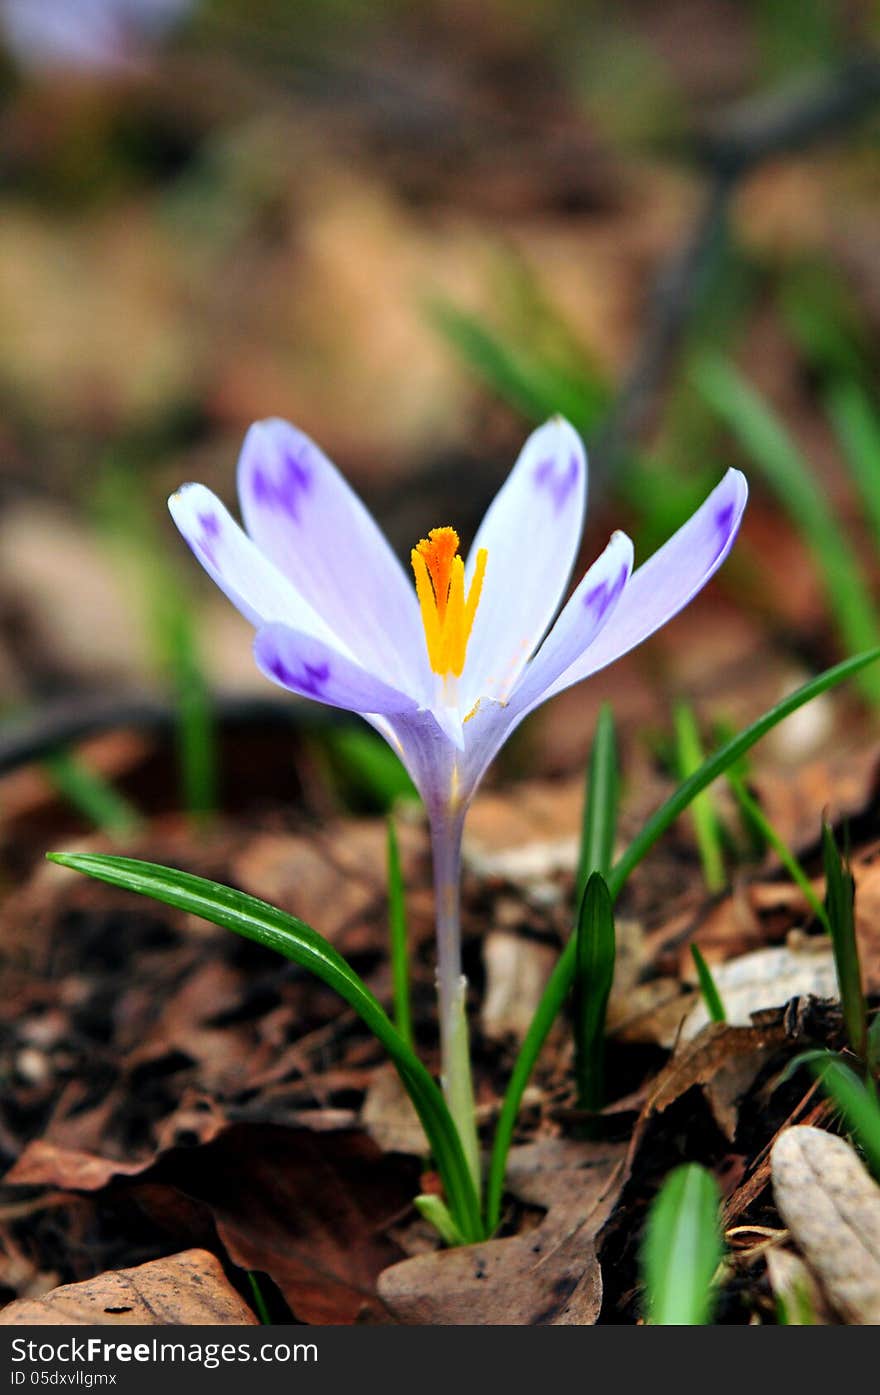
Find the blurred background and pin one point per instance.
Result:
(416, 230)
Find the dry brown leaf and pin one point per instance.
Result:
(389, 1117)
(832, 1208)
(768, 978)
(187, 1289)
(48, 1164)
(546, 1276)
(526, 1280)
(517, 970)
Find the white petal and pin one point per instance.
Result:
(531, 533)
(320, 671)
(592, 606)
(251, 582)
(305, 517)
(660, 588)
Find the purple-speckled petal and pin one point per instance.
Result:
(250, 581)
(591, 607)
(318, 670)
(531, 533)
(664, 585)
(308, 521)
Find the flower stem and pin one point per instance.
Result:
(452, 986)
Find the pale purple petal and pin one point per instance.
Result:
(308, 521)
(590, 608)
(651, 596)
(531, 534)
(660, 588)
(250, 581)
(317, 670)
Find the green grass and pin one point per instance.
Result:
(682, 1249)
(773, 452)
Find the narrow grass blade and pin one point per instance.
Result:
(266, 925)
(762, 825)
(596, 947)
(682, 1249)
(840, 897)
(92, 795)
(397, 929)
(706, 826)
(771, 448)
(195, 729)
(857, 1103)
(857, 427)
(367, 769)
(532, 384)
(260, 1305)
(561, 979)
(601, 800)
(708, 987)
(128, 522)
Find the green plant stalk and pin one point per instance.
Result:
(266, 925)
(772, 838)
(195, 730)
(91, 795)
(682, 1249)
(397, 928)
(561, 978)
(455, 1055)
(690, 757)
(857, 427)
(594, 975)
(708, 987)
(601, 800)
(768, 443)
(840, 892)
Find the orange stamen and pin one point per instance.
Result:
(447, 613)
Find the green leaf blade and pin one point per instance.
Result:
(264, 924)
(708, 987)
(600, 803)
(596, 949)
(561, 978)
(682, 1249)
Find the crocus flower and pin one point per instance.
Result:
(87, 35)
(445, 670)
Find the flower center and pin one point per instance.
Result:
(447, 614)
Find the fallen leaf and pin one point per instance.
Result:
(517, 970)
(768, 978)
(389, 1117)
(832, 1208)
(547, 1276)
(187, 1289)
(48, 1164)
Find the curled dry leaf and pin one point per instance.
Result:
(832, 1208)
(723, 1061)
(188, 1289)
(768, 978)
